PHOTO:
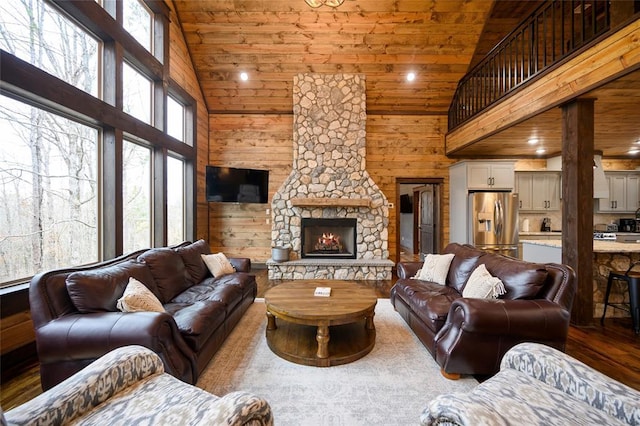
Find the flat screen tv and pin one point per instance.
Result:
(232, 185)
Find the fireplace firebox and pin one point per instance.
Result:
(329, 237)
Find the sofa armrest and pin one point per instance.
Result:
(406, 270)
(529, 319)
(571, 376)
(241, 408)
(89, 336)
(241, 264)
(478, 332)
(96, 383)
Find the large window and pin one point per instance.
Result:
(48, 191)
(175, 119)
(136, 187)
(83, 176)
(175, 200)
(42, 36)
(137, 21)
(136, 97)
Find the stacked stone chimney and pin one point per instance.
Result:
(329, 166)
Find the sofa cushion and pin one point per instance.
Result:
(226, 292)
(195, 267)
(522, 280)
(463, 264)
(138, 298)
(98, 290)
(218, 264)
(435, 268)
(168, 271)
(482, 285)
(197, 321)
(429, 301)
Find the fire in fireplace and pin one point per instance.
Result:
(329, 237)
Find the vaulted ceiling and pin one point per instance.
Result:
(272, 40)
(438, 40)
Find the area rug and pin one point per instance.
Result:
(389, 386)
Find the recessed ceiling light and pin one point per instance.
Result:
(244, 76)
(411, 76)
(540, 151)
(533, 141)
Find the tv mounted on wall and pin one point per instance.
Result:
(233, 185)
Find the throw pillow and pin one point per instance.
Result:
(483, 285)
(435, 268)
(218, 264)
(138, 298)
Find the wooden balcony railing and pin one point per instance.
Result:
(552, 32)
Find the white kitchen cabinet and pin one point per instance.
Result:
(490, 175)
(624, 193)
(538, 191)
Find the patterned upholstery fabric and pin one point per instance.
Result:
(128, 386)
(539, 385)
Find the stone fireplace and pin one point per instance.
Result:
(329, 180)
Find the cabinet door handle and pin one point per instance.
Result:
(520, 203)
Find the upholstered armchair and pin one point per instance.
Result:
(129, 386)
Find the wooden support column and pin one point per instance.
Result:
(577, 205)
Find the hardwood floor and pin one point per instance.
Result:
(613, 350)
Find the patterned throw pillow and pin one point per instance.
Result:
(218, 264)
(435, 268)
(138, 298)
(483, 285)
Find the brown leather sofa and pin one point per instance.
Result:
(76, 320)
(470, 336)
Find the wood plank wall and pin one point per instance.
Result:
(182, 72)
(398, 146)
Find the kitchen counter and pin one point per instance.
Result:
(607, 256)
(540, 233)
(599, 246)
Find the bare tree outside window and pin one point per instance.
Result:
(48, 164)
(137, 22)
(136, 94)
(136, 177)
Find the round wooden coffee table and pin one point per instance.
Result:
(320, 331)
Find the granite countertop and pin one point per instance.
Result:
(599, 246)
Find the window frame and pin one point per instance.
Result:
(27, 83)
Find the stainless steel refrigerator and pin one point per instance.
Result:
(493, 222)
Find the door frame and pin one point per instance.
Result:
(439, 182)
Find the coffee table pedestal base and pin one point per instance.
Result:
(310, 345)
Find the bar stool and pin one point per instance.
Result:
(633, 284)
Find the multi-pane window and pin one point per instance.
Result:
(137, 21)
(136, 196)
(175, 200)
(175, 119)
(136, 96)
(48, 191)
(63, 201)
(36, 33)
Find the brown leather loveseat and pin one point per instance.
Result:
(76, 319)
(470, 335)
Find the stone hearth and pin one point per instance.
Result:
(329, 180)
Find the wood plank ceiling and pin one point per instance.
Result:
(272, 40)
(439, 40)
